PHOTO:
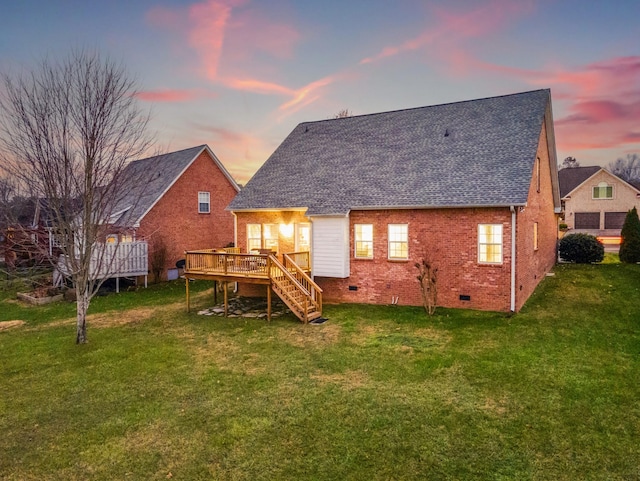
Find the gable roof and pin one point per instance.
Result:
(147, 180)
(472, 153)
(570, 178)
(584, 177)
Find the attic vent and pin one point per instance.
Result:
(446, 133)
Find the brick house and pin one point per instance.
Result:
(596, 202)
(181, 203)
(470, 186)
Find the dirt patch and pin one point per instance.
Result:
(218, 350)
(496, 406)
(404, 340)
(307, 336)
(348, 380)
(10, 324)
(109, 319)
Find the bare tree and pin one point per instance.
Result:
(570, 163)
(67, 131)
(627, 169)
(343, 114)
(428, 278)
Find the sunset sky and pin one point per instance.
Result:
(239, 75)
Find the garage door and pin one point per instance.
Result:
(614, 220)
(587, 220)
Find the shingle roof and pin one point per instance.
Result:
(148, 179)
(571, 178)
(472, 153)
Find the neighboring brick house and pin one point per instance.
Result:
(596, 202)
(181, 203)
(470, 186)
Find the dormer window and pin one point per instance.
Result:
(603, 191)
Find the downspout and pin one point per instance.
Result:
(513, 258)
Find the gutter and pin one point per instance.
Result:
(513, 258)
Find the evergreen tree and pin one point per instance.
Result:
(630, 246)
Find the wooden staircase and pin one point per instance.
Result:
(296, 289)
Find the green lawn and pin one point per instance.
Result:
(376, 393)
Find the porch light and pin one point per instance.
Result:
(286, 230)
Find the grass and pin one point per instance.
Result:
(376, 393)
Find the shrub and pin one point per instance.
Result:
(581, 249)
(630, 246)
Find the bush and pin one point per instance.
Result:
(581, 249)
(630, 246)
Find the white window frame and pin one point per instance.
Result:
(602, 186)
(204, 199)
(270, 236)
(487, 240)
(398, 238)
(300, 246)
(363, 239)
(254, 243)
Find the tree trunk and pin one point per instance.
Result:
(82, 306)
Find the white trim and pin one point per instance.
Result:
(487, 263)
(513, 259)
(403, 242)
(208, 202)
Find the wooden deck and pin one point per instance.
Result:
(290, 280)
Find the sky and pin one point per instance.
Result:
(239, 75)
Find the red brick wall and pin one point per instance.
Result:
(531, 264)
(175, 218)
(448, 238)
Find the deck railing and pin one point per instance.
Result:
(296, 270)
(121, 259)
(301, 259)
(209, 261)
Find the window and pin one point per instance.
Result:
(254, 237)
(112, 239)
(398, 241)
(303, 238)
(270, 236)
(535, 236)
(204, 202)
(490, 243)
(363, 239)
(603, 191)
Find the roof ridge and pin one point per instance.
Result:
(170, 153)
(408, 109)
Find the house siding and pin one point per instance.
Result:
(330, 254)
(175, 220)
(532, 264)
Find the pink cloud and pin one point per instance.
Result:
(257, 86)
(456, 26)
(173, 95)
(208, 22)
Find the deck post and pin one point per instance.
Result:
(117, 285)
(215, 292)
(269, 302)
(226, 295)
(186, 283)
